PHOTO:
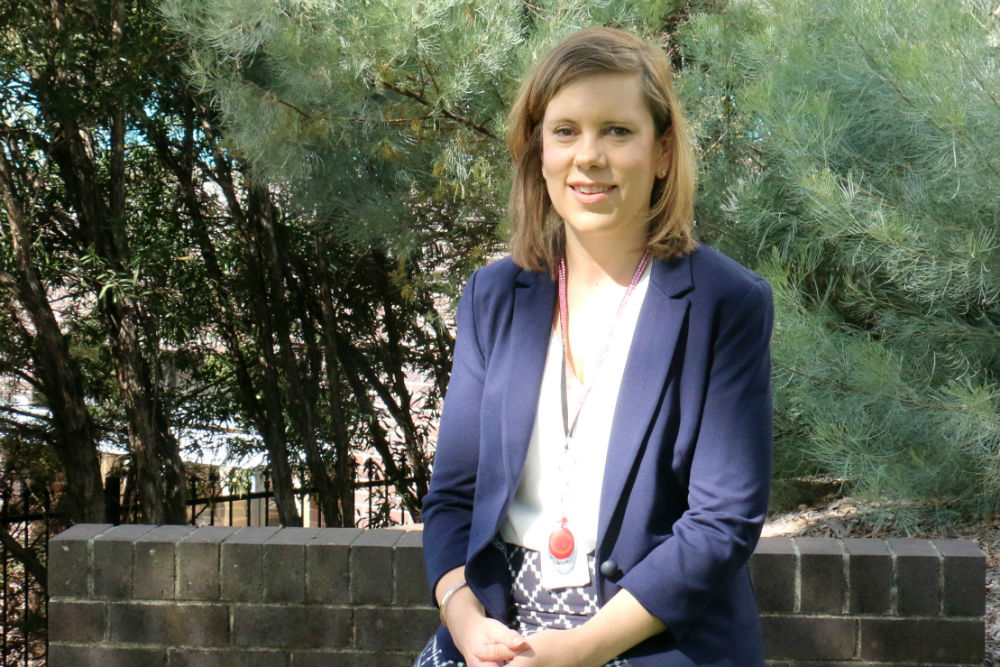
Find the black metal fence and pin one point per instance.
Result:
(27, 520)
(375, 506)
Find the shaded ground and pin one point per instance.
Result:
(843, 517)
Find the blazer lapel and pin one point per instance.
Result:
(534, 303)
(661, 319)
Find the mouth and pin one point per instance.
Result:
(590, 193)
(591, 189)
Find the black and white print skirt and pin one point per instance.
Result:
(535, 609)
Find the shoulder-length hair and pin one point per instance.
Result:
(537, 238)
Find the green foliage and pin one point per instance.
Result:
(365, 111)
(847, 155)
(379, 126)
(850, 155)
(350, 171)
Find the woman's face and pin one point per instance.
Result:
(601, 155)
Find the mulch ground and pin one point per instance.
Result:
(845, 517)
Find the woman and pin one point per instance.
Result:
(603, 461)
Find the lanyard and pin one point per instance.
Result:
(561, 561)
(570, 418)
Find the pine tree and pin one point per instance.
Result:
(369, 111)
(850, 151)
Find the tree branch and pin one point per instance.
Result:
(27, 558)
(413, 95)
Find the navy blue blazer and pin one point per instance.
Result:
(687, 476)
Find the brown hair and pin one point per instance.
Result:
(537, 233)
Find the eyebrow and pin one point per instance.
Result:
(556, 121)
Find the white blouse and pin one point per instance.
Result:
(538, 504)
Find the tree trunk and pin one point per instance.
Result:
(260, 214)
(399, 403)
(161, 480)
(157, 454)
(344, 461)
(160, 470)
(102, 232)
(75, 440)
(349, 359)
(266, 415)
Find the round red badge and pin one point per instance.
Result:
(561, 543)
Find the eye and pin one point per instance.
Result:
(563, 131)
(618, 131)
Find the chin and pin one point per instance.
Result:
(589, 224)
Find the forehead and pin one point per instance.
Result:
(596, 96)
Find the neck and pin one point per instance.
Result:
(602, 262)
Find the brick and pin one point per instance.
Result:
(226, 657)
(833, 663)
(934, 641)
(410, 575)
(822, 585)
(773, 572)
(352, 658)
(371, 566)
(153, 562)
(61, 655)
(917, 577)
(84, 622)
(964, 577)
(268, 625)
(242, 564)
(69, 557)
(389, 629)
(825, 663)
(285, 564)
(198, 563)
(328, 566)
(809, 637)
(113, 560)
(170, 623)
(870, 567)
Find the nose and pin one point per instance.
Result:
(590, 154)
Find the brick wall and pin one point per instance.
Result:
(868, 601)
(177, 595)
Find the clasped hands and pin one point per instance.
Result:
(486, 642)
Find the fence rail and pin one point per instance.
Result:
(27, 523)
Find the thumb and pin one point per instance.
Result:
(511, 639)
(494, 653)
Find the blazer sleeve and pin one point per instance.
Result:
(447, 507)
(730, 470)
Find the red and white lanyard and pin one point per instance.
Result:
(562, 545)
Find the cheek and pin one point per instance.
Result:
(644, 163)
(549, 162)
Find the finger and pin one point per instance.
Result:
(521, 660)
(473, 661)
(493, 653)
(511, 639)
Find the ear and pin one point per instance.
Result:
(666, 145)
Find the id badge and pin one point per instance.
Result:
(562, 563)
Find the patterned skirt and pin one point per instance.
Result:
(535, 609)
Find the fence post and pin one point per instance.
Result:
(113, 498)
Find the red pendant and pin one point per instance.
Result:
(562, 548)
(561, 542)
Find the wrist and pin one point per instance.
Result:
(460, 607)
(447, 597)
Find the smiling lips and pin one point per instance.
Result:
(590, 193)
